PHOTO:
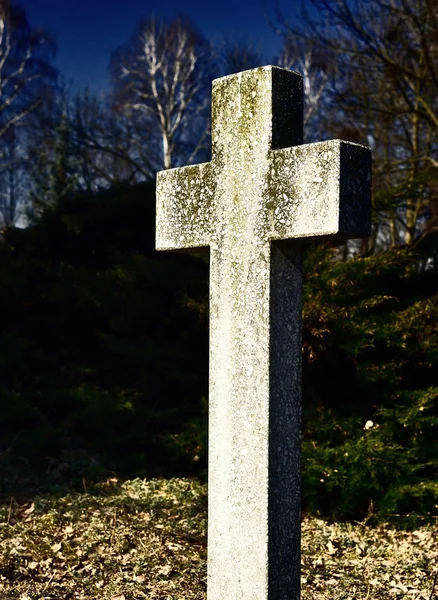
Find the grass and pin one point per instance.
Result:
(147, 539)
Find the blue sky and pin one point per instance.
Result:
(88, 30)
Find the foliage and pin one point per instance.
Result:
(147, 539)
(56, 168)
(104, 360)
(98, 341)
(370, 386)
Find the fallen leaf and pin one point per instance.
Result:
(30, 510)
(56, 547)
(331, 549)
(165, 570)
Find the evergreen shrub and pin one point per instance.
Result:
(104, 361)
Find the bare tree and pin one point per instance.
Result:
(81, 145)
(26, 81)
(160, 79)
(12, 181)
(385, 94)
(318, 70)
(239, 55)
(107, 143)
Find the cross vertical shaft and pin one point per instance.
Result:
(254, 425)
(255, 344)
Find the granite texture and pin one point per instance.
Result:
(261, 194)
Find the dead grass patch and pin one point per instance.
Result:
(147, 539)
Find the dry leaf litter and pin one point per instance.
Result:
(147, 539)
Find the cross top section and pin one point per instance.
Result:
(260, 176)
(256, 111)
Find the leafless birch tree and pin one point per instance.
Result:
(160, 83)
(317, 70)
(26, 77)
(24, 66)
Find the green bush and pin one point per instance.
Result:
(370, 386)
(104, 360)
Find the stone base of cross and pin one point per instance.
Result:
(260, 197)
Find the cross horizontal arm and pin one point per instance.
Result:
(320, 190)
(184, 207)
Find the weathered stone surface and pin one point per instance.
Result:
(251, 205)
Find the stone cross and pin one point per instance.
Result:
(262, 195)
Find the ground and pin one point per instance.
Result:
(147, 539)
